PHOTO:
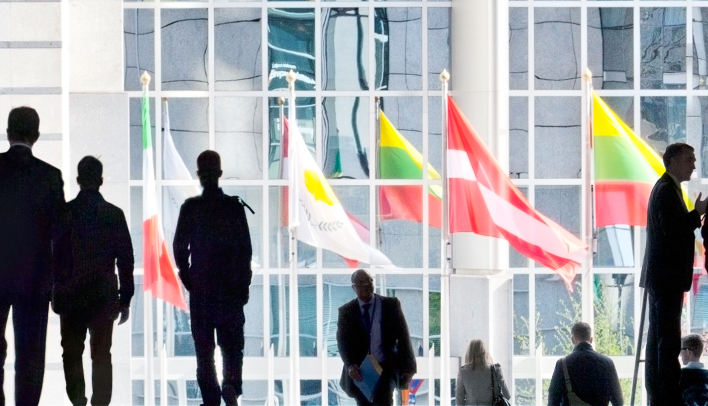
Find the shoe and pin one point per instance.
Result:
(230, 396)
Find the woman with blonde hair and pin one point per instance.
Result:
(474, 381)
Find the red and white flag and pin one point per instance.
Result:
(483, 200)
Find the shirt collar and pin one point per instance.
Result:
(362, 303)
(12, 144)
(694, 365)
(675, 179)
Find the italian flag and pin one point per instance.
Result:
(160, 277)
(399, 159)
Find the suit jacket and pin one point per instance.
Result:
(474, 386)
(99, 241)
(31, 210)
(353, 342)
(592, 375)
(213, 230)
(694, 386)
(668, 259)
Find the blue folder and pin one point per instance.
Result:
(370, 371)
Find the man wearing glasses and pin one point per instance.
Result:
(373, 324)
(694, 376)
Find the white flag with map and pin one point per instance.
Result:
(316, 212)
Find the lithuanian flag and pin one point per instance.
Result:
(626, 169)
(399, 159)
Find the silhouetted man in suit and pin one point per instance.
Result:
(667, 272)
(373, 324)
(31, 208)
(87, 296)
(593, 376)
(212, 232)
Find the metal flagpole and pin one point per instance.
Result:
(588, 229)
(294, 328)
(279, 238)
(445, 398)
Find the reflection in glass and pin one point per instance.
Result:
(663, 47)
(406, 115)
(700, 127)
(278, 233)
(184, 49)
(189, 127)
(346, 129)
(401, 240)
(139, 46)
(253, 329)
(136, 222)
(433, 314)
(345, 48)
(518, 48)
(522, 317)
(337, 291)
(435, 132)
(438, 45)
(280, 314)
(614, 314)
(557, 48)
(291, 45)
(615, 247)
(698, 318)
(561, 204)
(700, 47)
(355, 200)
(305, 123)
(401, 64)
(518, 137)
(409, 290)
(237, 49)
(238, 126)
(525, 391)
(610, 47)
(557, 310)
(516, 259)
(137, 319)
(557, 128)
(663, 121)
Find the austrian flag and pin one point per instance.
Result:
(484, 201)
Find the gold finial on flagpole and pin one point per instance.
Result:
(145, 78)
(587, 75)
(444, 76)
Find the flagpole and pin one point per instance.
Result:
(294, 328)
(445, 398)
(149, 366)
(279, 238)
(588, 229)
(377, 162)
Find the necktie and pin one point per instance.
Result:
(367, 318)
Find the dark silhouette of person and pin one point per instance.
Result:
(373, 324)
(31, 214)
(667, 272)
(694, 375)
(87, 296)
(212, 247)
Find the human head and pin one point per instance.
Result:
(90, 173)
(209, 168)
(23, 125)
(691, 348)
(477, 354)
(581, 332)
(680, 160)
(363, 285)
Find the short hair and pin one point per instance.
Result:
(209, 164)
(23, 125)
(581, 331)
(675, 150)
(359, 272)
(693, 342)
(90, 172)
(477, 355)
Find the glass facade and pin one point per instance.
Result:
(220, 66)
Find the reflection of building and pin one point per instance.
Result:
(222, 66)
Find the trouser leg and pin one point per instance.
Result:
(4, 313)
(668, 308)
(30, 326)
(651, 361)
(73, 335)
(230, 338)
(101, 329)
(203, 334)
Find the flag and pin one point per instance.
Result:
(483, 200)
(399, 159)
(160, 277)
(316, 212)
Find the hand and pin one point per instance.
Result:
(353, 371)
(701, 204)
(124, 314)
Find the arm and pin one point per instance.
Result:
(246, 252)
(616, 398)
(502, 383)
(125, 261)
(180, 246)
(460, 399)
(343, 336)
(406, 356)
(672, 222)
(556, 391)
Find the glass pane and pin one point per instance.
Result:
(310, 392)
(518, 48)
(136, 223)
(253, 196)
(663, 121)
(663, 47)
(438, 45)
(435, 132)
(700, 47)
(516, 259)
(399, 59)
(345, 48)
(557, 48)
(345, 125)
(522, 317)
(137, 319)
(401, 230)
(307, 315)
(434, 315)
(409, 290)
(278, 233)
(237, 48)
(355, 200)
(614, 314)
(525, 391)
(139, 45)
(337, 291)
(615, 247)
(280, 314)
(238, 125)
(136, 136)
(557, 128)
(561, 204)
(253, 329)
(189, 127)
(279, 311)
(610, 47)
(518, 137)
(305, 122)
(291, 45)
(557, 309)
(184, 49)
(702, 129)
(405, 115)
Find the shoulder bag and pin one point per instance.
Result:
(573, 399)
(497, 397)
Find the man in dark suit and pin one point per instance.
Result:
(667, 272)
(31, 207)
(593, 376)
(87, 296)
(213, 230)
(373, 324)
